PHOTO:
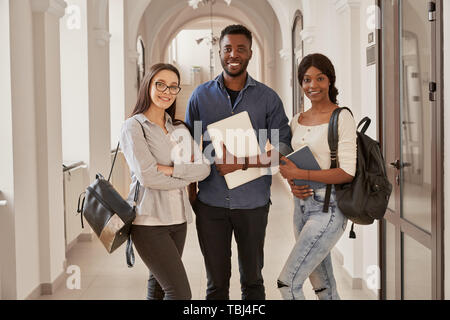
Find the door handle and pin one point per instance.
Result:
(396, 164)
(406, 164)
(432, 89)
(400, 165)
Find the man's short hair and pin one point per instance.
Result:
(237, 29)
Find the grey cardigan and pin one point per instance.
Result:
(143, 156)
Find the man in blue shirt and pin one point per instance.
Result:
(242, 210)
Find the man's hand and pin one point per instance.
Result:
(228, 164)
(301, 192)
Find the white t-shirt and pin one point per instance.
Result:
(316, 137)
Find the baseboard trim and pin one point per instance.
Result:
(86, 237)
(370, 293)
(35, 294)
(71, 244)
(82, 237)
(49, 288)
(355, 283)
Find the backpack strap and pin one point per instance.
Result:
(333, 141)
(114, 161)
(366, 121)
(129, 252)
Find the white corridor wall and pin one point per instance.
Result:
(344, 40)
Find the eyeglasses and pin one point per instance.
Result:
(162, 87)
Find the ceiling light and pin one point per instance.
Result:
(195, 3)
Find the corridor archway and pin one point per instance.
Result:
(159, 21)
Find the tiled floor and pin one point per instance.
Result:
(105, 276)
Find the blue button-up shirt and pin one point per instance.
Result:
(210, 103)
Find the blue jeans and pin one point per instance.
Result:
(316, 233)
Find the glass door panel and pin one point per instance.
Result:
(412, 236)
(390, 95)
(417, 278)
(416, 126)
(390, 261)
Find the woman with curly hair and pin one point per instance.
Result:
(317, 232)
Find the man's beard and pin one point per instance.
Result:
(240, 72)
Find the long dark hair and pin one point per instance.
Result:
(324, 64)
(144, 100)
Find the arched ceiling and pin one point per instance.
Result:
(176, 26)
(171, 15)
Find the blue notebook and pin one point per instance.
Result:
(304, 159)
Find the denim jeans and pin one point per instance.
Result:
(316, 233)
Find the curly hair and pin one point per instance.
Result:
(325, 65)
(236, 29)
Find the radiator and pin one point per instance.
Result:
(76, 181)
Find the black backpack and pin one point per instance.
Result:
(366, 198)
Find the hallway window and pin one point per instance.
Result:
(141, 61)
(297, 55)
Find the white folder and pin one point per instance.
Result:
(239, 137)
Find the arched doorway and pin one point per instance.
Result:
(162, 20)
(203, 62)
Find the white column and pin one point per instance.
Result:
(117, 67)
(309, 32)
(86, 91)
(99, 88)
(348, 70)
(350, 62)
(19, 221)
(74, 83)
(75, 96)
(46, 15)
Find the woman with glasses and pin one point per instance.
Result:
(163, 157)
